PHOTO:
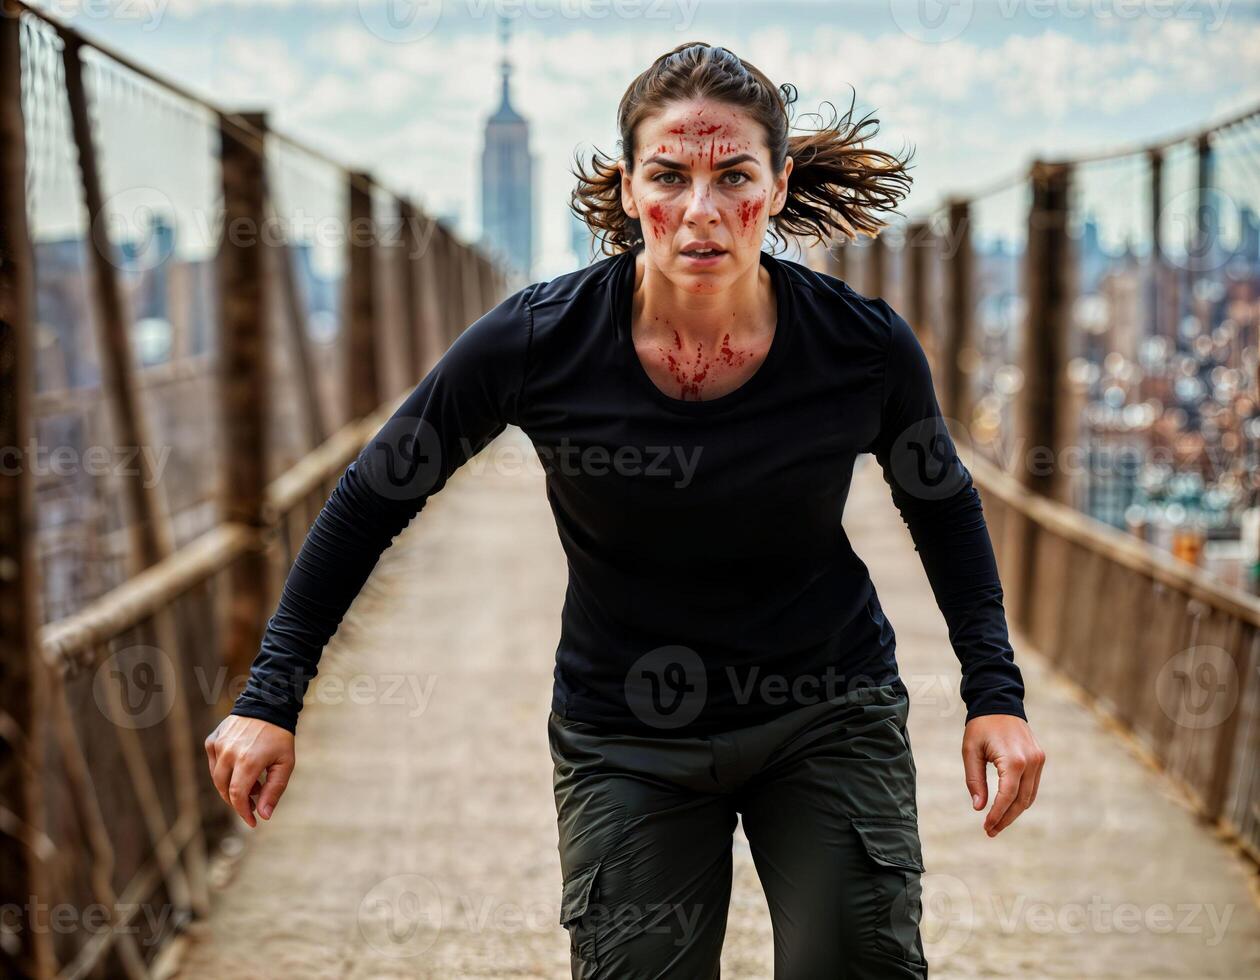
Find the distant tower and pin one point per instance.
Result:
(507, 179)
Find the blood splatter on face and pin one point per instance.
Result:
(703, 174)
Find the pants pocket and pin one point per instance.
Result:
(896, 864)
(576, 918)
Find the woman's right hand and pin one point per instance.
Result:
(239, 751)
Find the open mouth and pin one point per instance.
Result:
(703, 253)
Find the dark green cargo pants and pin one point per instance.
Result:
(827, 797)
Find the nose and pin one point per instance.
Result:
(700, 207)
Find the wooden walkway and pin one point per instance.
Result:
(418, 838)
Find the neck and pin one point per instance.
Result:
(702, 320)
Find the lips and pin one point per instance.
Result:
(702, 249)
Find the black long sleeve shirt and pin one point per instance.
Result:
(711, 581)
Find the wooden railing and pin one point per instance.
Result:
(1167, 653)
(1154, 643)
(108, 819)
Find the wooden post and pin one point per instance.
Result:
(362, 378)
(410, 273)
(1155, 288)
(877, 267)
(151, 537)
(1046, 334)
(23, 844)
(452, 289)
(956, 395)
(918, 242)
(430, 260)
(243, 378)
(472, 290)
(485, 290)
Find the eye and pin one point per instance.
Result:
(737, 173)
(665, 173)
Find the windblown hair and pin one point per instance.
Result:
(838, 186)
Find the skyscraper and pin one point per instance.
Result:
(507, 179)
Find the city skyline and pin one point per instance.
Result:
(1011, 84)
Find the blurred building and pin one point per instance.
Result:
(507, 180)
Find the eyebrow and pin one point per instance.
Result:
(720, 165)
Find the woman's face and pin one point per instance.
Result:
(702, 175)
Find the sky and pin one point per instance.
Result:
(976, 88)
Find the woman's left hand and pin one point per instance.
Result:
(1007, 742)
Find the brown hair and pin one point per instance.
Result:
(837, 185)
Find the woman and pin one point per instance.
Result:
(698, 406)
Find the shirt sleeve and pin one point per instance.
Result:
(469, 396)
(938, 502)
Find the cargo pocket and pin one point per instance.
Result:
(575, 909)
(892, 844)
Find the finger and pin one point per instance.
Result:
(1014, 810)
(244, 776)
(277, 779)
(1021, 803)
(975, 774)
(224, 763)
(1037, 766)
(1009, 774)
(212, 751)
(254, 792)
